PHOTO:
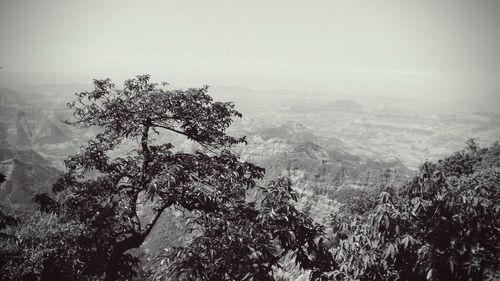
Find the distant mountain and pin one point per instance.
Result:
(26, 174)
(347, 104)
(333, 168)
(25, 122)
(290, 131)
(315, 107)
(11, 98)
(26, 156)
(317, 166)
(293, 148)
(289, 137)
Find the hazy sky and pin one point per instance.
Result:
(447, 48)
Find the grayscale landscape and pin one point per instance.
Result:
(335, 140)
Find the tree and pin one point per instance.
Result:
(441, 226)
(41, 247)
(104, 194)
(248, 242)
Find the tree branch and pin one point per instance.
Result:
(147, 229)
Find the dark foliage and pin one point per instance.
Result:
(247, 242)
(90, 230)
(47, 204)
(444, 225)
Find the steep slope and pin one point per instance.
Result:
(283, 139)
(293, 147)
(26, 121)
(26, 156)
(26, 174)
(291, 130)
(317, 166)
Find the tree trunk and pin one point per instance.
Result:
(113, 268)
(134, 241)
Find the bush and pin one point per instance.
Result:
(444, 225)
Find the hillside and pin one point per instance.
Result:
(326, 170)
(24, 123)
(26, 174)
(292, 147)
(376, 127)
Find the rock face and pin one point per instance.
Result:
(26, 174)
(24, 124)
(289, 137)
(26, 156)
(293, 147)
(4, 143)
(317, 166)
(292, 131)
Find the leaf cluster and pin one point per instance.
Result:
(444, 225)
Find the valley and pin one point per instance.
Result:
(325, 147)
(323, 144)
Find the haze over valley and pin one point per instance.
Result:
(335, 140)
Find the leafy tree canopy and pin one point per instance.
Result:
(444, 225)
(102, 194)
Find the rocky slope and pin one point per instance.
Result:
(25, 123)
(318, 166)
(26, 174)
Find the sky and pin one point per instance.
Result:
(447, 48)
